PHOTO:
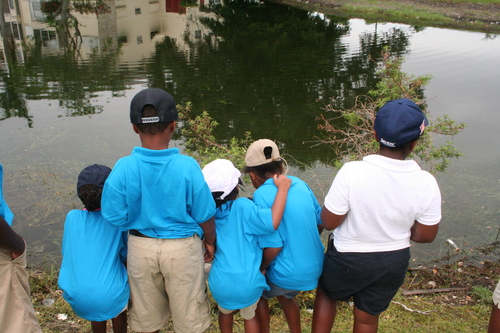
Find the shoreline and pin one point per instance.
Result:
(455, 292)
(440, 14)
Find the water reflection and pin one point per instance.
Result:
(256, 67)
(263, 64)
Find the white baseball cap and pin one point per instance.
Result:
(221, 176)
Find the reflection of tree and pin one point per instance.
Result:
(11, 99)
(61, 77)
(73, 83)
(59, 14)
(264, 68)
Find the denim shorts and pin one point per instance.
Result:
(372, 279)
(276, 291)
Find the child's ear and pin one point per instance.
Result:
(172, 126)
(135, 128)
(252, 175)
(256, 180)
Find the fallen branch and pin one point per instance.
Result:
(429, 291)
(411, 310)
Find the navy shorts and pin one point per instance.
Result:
(372, 279)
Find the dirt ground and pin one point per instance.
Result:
(462, 274)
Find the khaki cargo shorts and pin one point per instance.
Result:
(245, 313)
(16, 309)
(167, 280)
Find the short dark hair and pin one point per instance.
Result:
(151, 128)
(90, 195)
(230, 197)
(275, 167)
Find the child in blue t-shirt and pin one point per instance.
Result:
(235, 279)
(93, 276)
(298, 265)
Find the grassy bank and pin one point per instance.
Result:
(465, 308)
(472, 15)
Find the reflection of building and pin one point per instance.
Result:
(136, 24)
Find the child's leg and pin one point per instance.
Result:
(364, 322)
(120, 323)
(494, 323)
(98, 326)
(226, 322)
(292, 313)
(325, 310)
(262, 314)
(252, 325)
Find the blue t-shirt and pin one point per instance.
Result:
(93, 276)
(161, 193)
(300, 262)
(235, 279)
(5, 211)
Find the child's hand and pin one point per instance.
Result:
(282, 181)
(208, 256)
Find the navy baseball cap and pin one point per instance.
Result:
(160, 99)
(94, 175)
(398, 122)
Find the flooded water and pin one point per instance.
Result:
(263, 68)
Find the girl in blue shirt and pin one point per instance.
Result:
(93, 276)
(236, 279)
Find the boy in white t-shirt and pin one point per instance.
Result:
(376, 206)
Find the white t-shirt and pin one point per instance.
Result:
(382, 198)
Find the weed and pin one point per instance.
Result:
(350, 132)
(482, 293)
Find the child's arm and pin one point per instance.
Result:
(331, 220)
(270, 253)
(10, 240)
(421, 233)
(209, 238)
(283, 183)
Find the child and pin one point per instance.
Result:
(298, 265)
(161, 197)
(235, 279)
(16, 310)
(376, 206)
(494, 323)
(93, 276)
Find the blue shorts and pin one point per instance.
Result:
(276, 291)
(372, 279)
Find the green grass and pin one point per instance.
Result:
(465, 1)
(408, 13)
(462, 311)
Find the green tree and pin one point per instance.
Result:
(350, 132)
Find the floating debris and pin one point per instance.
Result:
(452, 244)
(62, 316)
(48, 302)
(431, 285)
